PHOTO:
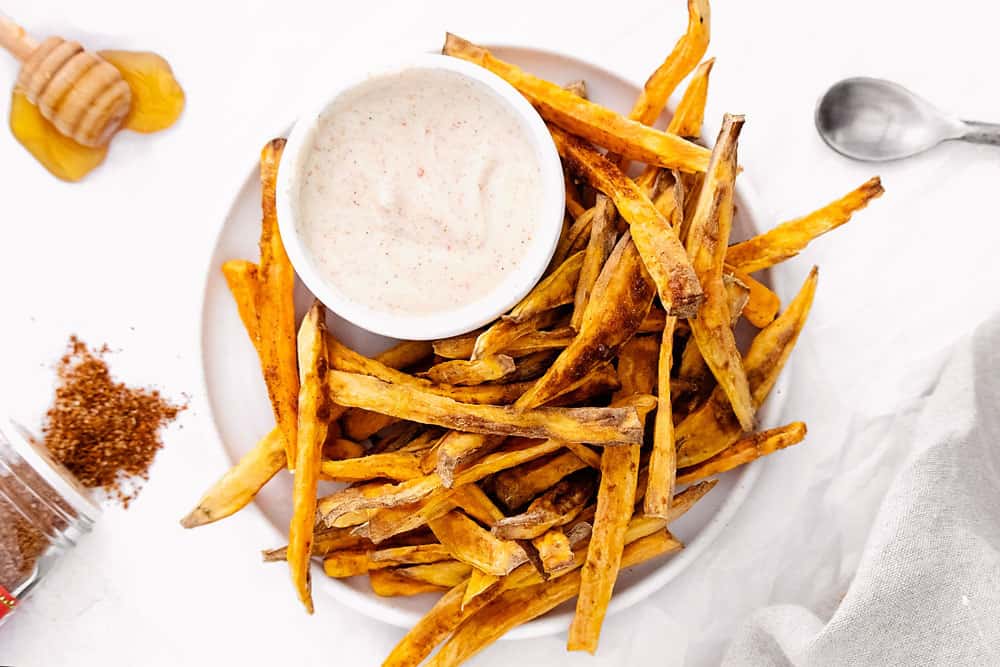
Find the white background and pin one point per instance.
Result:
(121, 259)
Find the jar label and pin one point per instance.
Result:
(7, 602)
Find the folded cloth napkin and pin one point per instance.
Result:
(927, 586)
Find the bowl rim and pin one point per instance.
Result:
(549, 624)
(441, 324)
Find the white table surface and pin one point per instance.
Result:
(121, 259)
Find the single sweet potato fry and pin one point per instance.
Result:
(389, 583)
(487, 368)
(406, 353)
(411, 554)
(531, 366)
(398, 465)
(637, 366)
(348, 563)
(376, 495)
(746, 449)
(362, 424)
(240, 484)
(513, 453)
(241, 277)
(663, 457)
(276, 307)
(573, 205)
(554, 550)
(593, 425)
(603, 237)
(586, 119)
(392, 521)
(445, 573)
(706, 244)
(479, 583)
(737, 297)
(313, 417)
(459, 449)
(474, 502)
(690, 113)
(615, 500)
(541, 341)
(338, 449)
(468, 542)
(762, 305)
(584, 453)
(790, 238)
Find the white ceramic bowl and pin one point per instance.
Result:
(428, 326)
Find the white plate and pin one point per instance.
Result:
(242, 413)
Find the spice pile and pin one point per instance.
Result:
(103, 431)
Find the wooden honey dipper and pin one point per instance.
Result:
(80, 93)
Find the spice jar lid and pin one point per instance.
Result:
(54, 473)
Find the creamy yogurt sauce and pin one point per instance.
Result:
(421, 192)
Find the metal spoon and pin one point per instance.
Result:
(877, 120)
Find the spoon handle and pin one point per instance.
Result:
(981, 133)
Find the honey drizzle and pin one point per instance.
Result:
(157, 102)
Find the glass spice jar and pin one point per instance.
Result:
(44, 510)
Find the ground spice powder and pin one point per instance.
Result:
(30, 514)
(104, 432)
(21, 545)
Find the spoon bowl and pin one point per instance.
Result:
(878, 120)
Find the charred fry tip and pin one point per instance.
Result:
(704, 487)
(873, 187)
(273, 147)
(453, 42)
(737, 119)
(197, 517)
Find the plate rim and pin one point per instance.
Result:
(548, 624)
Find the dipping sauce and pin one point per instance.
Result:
(420, 193)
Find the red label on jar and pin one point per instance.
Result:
(7, 602)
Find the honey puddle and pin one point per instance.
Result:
(157, 102)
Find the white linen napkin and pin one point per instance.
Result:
(927, 588)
